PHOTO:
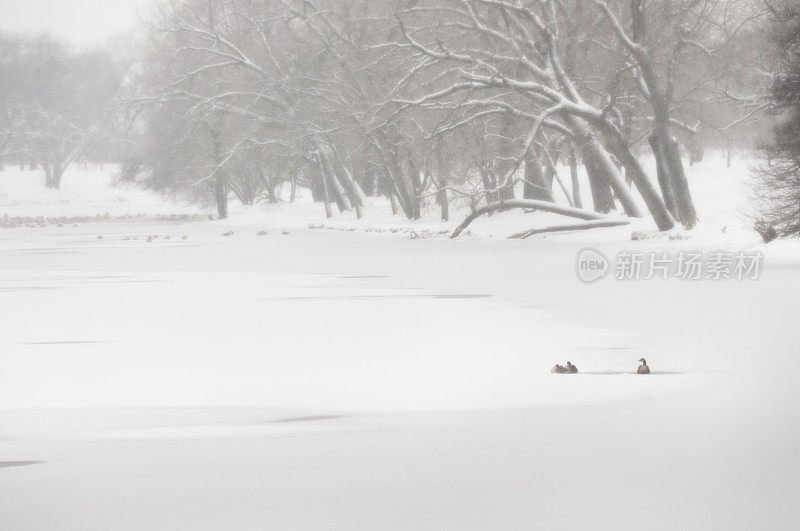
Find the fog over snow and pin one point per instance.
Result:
(79, 21)
(377, 265)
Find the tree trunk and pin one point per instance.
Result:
(271, 192)
(729, 149)
(627, 134)
(608, 173)
(535, 186)
(48, 176)
(549, 176)
(667, 146)
(486, 182)
(443, 175)
(660, 102)
(545, 206)
(552, 174)
(416, 189)
(573, 172)
(393, 201)
(366, 178)
(696, 150)
(315, 185)
(684, 206)
(58, 173)
(354, 191)
(600, 223)
(664, 181)
(334, 187)
(324, 188)
(220, 180)
(399, 187)
(441, 198)
(598, 174)
(655, 205)
(221, 194)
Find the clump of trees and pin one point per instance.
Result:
(433, 102)
(57, 106)
(479, 104)
(777, 184)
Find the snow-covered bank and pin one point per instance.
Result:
(85, 192)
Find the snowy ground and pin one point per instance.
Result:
(337, 379)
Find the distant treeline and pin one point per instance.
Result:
(429, 103)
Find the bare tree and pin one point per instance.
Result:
(54, 102)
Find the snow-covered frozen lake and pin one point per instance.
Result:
(351, 380)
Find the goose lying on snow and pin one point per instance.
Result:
(643, 368)
(560, 369)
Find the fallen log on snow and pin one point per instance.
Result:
(575, 226)
(534, 204)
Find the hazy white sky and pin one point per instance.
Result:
(79, 21)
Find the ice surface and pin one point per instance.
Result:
(331, 379)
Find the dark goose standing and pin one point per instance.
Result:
(643, 368)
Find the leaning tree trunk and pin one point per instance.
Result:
(533, 204)
(664, 182)
(673, 166)
(326, 198)
(396, 179)
(552, 174)
(621, 148)
(364, 177)
(660, 103)
(400, 188)
(332, 185)
(634, 170)
(354, 192)
(392, 201)
(599, 177)
(604, 170)
(335, 188)
(535, 186)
